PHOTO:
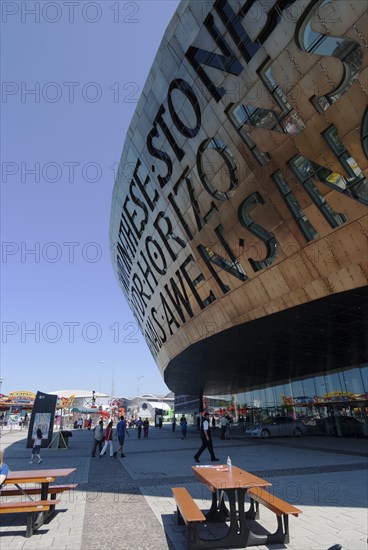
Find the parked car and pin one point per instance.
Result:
(348, 426)
(278, 427)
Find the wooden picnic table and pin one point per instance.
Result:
(234, 483)
(44, 478)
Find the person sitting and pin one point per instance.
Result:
(4, 470)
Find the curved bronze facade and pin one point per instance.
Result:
(239, 213)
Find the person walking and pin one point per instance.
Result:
(108, 440)
(206, 440)
(183, 425)
(37, 446)
(145, 427)
(121, 430)
(198, 423)
(98, 437)
(223, 424)
(139, 425)
(174, 423)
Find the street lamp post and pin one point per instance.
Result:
(1, 422)
(113, 383)
(138, 398)
(99, 389)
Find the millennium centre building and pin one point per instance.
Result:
(239, 214)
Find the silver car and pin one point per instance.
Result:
(278, 427)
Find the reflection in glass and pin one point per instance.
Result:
(290, 121)
(364, 374)
(355, 185)
(297, 389)
(321, 386)
(279, 390)
(339, 394)
(221, 148)
(256, 398)
(345, 49)
(236, 116)
(286, 121)
(364, 133)
(270, 396)
(334, 383)
(309, 387)
(268, 238)
(305, 226)
(304, 171)
(233, 267)
(352, 379)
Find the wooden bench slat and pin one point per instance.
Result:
(273, 503)
(188, 508)
(53, 489)
(29, 506)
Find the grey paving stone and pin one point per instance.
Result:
(132, 496)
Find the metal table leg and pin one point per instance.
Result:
(218, 513)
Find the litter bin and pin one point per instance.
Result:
(63, 439)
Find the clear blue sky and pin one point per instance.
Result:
(62, 311)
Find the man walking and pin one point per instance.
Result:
(98, 437)
(139, 425)
(224, 424)
(183, 425)
(206, 440)
(121, 429)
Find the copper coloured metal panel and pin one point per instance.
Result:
(240, 204)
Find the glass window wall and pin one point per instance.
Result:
(322, 402)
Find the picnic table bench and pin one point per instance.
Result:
(280, 507)
(235, 484)
(37, 510)
(53, 490)
(32, 508)
(188, 513)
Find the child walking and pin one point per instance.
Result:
(37, 446)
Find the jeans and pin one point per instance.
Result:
(96, 443)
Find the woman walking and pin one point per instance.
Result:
(108, 440)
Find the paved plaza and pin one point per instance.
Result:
(127, 503)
